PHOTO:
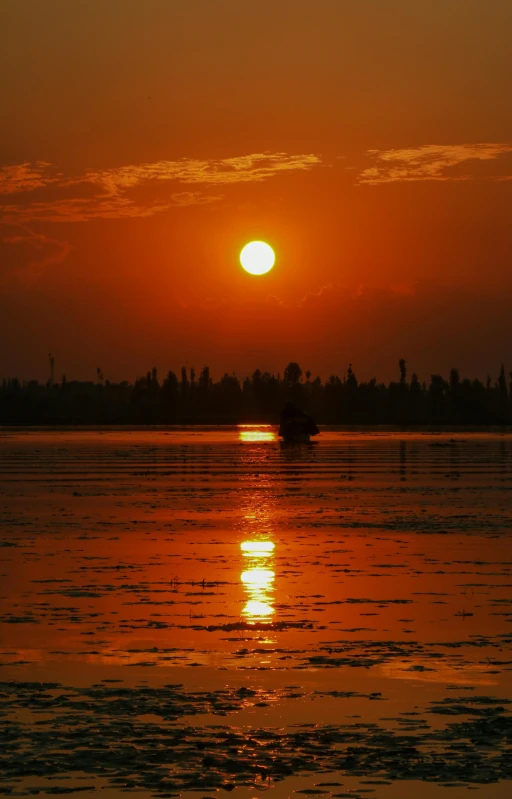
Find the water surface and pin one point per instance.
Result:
(198, 610)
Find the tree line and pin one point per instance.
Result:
(188, 398)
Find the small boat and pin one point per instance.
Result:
(296, 426)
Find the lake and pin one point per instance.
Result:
(200, 610)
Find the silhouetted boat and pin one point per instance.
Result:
(296, 426)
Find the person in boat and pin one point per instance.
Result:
(296, 425)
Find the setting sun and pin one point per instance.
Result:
(257, 258)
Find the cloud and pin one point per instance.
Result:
(24, 254)
(242, 169)
(324, 292)
(183, 198)
(329, 298)
(437, 162)
(116, 192)
(101, 207)
(333, 294)
(24, 177)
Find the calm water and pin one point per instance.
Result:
(198, 610)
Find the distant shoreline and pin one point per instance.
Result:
(197, 400)
(424, 429)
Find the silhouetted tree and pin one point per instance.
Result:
(502, 396)
(333, 399)
(415, 410)
(350, 394)
(259, 398)
(169, 398)
(403, 390)
(292, 373)
(437, 394)
(292, 385)
(203, 389)
(184, 393)
(228, 398)
(455, 395)
(51, 360)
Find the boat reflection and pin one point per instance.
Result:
(258, 580)
(256, 432)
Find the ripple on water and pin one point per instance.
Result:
(368, 571)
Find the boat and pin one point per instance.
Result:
(296, 425)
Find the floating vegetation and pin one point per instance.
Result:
(99, 732)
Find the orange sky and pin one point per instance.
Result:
(143, 144)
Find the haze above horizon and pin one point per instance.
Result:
(143, 145)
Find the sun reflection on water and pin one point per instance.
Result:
(261, 548)
(255, 433)
(258, 580)
(255, 610)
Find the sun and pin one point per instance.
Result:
(257, 257)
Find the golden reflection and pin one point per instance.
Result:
(255, 610)
(261, 548)
(256, 432)
(258, 580)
